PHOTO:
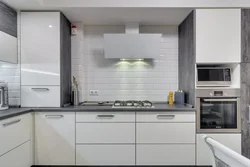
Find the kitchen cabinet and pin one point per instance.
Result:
(203, 152)
(168, 154)
(16, 135)
(45, 56)
(165, 138)
(8, 34)
(105, 133)
(218, 35)
(55, 138)
(14, 132)
(40, 96)
(105, 138)
(105, 117)
(18, 157)
(165, 133)
(105, 154)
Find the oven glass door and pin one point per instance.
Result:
(218, 113)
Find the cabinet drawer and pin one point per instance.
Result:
(105, 117)
(165, 117)
(14, 132)
(105, 154)
(105, 133)
(19, 157)
(40, 96)
(183, 154)
(165, 132)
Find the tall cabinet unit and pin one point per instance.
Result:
(45, 59)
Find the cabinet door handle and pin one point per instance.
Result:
(54, 116)
(45, 89)
(165, 116)
(105, 116)
(11, 123)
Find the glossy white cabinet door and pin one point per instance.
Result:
(40, 96)
(108, 117)
(165, 133)
(40, 48)
(157, 117)
(18, 157)
(218, 35)
(105, 154)
(55, 138)
(105, 132)
(169, 154)
(14, 132)
(8, 48)
(204, 154)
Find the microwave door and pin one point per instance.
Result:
(213, 77)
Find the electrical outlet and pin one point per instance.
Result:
(93, 92)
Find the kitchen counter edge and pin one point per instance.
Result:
(12, 112)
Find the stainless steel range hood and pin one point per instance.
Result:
(132, 44)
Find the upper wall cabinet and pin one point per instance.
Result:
(218, 35)
(8, 34)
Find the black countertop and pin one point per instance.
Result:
(160, 107)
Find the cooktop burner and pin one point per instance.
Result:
(133, 104)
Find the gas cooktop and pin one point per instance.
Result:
(133, 104)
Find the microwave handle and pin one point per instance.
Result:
(212, 100)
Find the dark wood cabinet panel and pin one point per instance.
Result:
(187, 58)
(8, 20)
(245, 102)
(65, 42)
(245, 35)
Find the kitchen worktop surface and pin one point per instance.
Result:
(161, 107)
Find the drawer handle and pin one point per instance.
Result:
(160, 116)
(54, 116)
(45, 89)
(11, 123)
(105, 116)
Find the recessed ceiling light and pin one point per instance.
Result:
(50, 26)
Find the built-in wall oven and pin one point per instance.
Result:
(218, 111)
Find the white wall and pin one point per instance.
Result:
(148, 3)
(124, 80)
(10, 73)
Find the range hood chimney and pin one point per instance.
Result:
(132, 28)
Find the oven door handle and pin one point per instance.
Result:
(211, 100)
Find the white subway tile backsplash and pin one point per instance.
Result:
(126, 80)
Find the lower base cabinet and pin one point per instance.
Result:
(55, 138)
(169, 154)
(203, 152)
(18, 157)
(105, 154)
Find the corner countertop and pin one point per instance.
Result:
(160, 107)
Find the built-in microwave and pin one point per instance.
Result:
(213, 76)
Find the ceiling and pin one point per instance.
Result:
(110, 15)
